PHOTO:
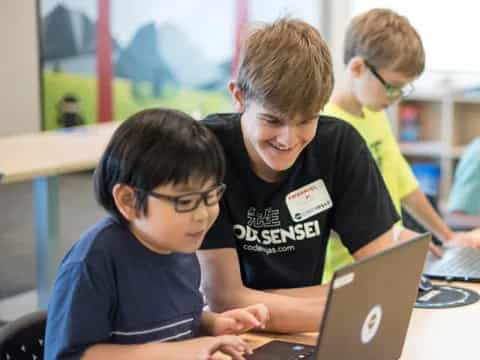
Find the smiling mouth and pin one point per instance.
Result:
(284, 149)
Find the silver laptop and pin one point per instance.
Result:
(368, 309)
(456, 264)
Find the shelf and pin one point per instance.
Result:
(457, 151)
(474, 99)
(424, 97)
(447, 121)
(433, 149)
(457, 98)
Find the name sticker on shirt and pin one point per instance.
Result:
(309, 200)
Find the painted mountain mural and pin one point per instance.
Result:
(158, 65)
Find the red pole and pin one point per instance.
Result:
(104, 63)
(240, 30)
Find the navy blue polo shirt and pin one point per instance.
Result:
(112, 289)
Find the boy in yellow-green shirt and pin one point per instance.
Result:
(383, 54)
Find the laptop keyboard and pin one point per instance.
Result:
(457, 262)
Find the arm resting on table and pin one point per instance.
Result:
(223, 286)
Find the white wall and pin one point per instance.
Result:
(337, 14)
(19, 79)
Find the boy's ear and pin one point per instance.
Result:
(356, 66)
(237, 98)
(125, 199)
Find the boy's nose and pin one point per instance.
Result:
(287, 136)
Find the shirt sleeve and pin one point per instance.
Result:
(465, 193)
(363, 209)
(79, 312)
(220, 234)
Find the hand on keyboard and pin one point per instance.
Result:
(470, 239)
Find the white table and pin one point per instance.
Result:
(433, 334)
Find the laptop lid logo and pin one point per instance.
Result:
(371, 324)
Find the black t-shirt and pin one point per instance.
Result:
(280, 230)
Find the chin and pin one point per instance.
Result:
(279, 163)
(191, 246)
(187, 249)
(184, 251)
(280, 166)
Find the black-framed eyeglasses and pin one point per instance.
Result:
(393, 92)
(191, 201)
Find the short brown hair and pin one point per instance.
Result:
(386, 40)
(287, 67)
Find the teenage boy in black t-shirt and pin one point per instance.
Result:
(292, 177)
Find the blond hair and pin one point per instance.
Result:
(286, 66)
(387, 40)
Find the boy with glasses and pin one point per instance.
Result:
(130, 285)
(383, 55)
